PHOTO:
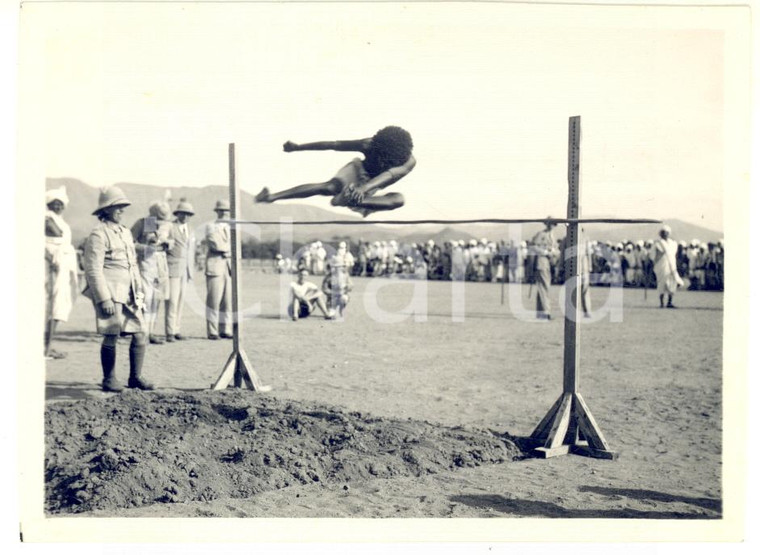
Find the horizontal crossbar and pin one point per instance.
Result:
(452, 222)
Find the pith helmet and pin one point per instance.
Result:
(222, 205)
(111, 196)
(159, 209)
(185, 207)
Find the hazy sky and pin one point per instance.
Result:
(153, 93)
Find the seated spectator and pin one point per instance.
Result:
(304, 297)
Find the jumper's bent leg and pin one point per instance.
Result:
(327, 188)
(390, 201)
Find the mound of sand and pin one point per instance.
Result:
(136, 449)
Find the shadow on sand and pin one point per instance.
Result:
(77, 391)
(71, 391)
(532, 508)
(77, 336)
(704, 502)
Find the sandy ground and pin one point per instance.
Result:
(652, 381)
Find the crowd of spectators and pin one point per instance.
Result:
(623, 264)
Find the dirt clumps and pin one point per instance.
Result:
(136, 448)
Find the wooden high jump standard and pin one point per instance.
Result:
(569, 427)
(238, 366)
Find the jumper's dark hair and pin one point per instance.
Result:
(391, 147)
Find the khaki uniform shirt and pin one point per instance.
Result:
(110, 265)
(181, 254)
(218, 262)
(543, 244)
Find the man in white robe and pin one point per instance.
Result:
(668, 280)
(61, 268)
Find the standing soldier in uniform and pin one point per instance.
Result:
(151, 236)
(219, 275)
(115, 287)
(543, 244)
(181, 265)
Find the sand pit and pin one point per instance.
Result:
(401, 419)
(143, 448)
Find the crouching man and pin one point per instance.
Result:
(337, 284)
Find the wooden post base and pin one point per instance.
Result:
(239, 368)
(580, 448)
(570, 428)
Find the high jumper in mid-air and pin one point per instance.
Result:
(387, 158)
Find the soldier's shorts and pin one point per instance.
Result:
(123, 320)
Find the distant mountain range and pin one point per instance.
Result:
(84, 199)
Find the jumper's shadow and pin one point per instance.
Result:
(532, 508)
(704, 502)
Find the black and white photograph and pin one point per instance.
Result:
(383, 271)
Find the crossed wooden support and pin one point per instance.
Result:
(569, 427)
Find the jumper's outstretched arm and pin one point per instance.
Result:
(356, 145)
